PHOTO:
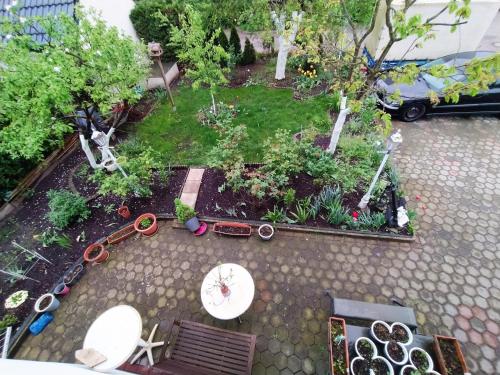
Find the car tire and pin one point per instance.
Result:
(413, 112)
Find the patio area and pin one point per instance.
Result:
(449, 275)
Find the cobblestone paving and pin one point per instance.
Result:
(450, 275)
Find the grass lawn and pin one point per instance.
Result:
(183, 140)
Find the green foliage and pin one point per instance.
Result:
(150, 27)
(302, 210)
(366, 221)
(139, 162)
(223, 41)
(249, 56)
(7, 321)
(289, 197)
(145, 223)
(183, 211)
(51, 237)
(66, 207)
(198, 50)
(12, 171)
(222, 117)
(85, 64)
(227, 155)
(277, 215)
(234, 41)
(336, 214)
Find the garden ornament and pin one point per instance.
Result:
(155, 52)
(402, 216)
(392, 143)
(91, 126)
(339, 124)
(286, 37)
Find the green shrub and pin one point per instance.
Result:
(234, 42)
(302, 210)
(66, 207)
(277, 215)
(223, 117)
(7, 321)
(183, 211)
(336, 214)
(289, 197)
(248, 57)
(368, 221)
(223, 41)
(148, 25)
(139, 161)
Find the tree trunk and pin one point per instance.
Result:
(214, 107)
(284, 48)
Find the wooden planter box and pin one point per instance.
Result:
(121, 234)
(441, 360)
(232, 229)
(330, 346)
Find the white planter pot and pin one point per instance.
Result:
(53, 303)
(408, 331)
(372, 332)
(429, 359)
(374, 347)
(405, 354)
(268, 237)
(376, 358)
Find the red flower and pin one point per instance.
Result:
(355, 216)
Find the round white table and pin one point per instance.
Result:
(241, 286)
(115, 334)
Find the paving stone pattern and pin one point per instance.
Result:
(450, 275)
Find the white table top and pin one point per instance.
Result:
(115, 334)
(242, 289)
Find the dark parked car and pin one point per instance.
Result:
(415, 97)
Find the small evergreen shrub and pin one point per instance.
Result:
(248, 57)
(66, 207)
(234, 41)
(183, 211)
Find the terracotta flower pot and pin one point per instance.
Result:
(124, 212)
(443, 357)
(232, 229)
(95, 253)
(121, 234)
(345, 347)
(149, 231)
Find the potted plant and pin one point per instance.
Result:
(368, 361)
(449, 355)
(61, 289)
(396, 352)
(421, 360)
(46, 302)
(383, 333)
(121, 234)
(95, 253)
(338, 344)
(124, 212)
(232, 229)
(16, 299)
(73, 274)
(266, 232)
(412, 370)
(186, 215)
(146, 224)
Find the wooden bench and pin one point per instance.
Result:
(365, 311)
(199, 349)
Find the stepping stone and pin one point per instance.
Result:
(192, 186)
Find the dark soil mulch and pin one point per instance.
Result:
(379, 367)
(419, 360)
(450, 355)
(361, 367)
(399, 334)
(365, 349)
(30, 220)
(241, 205)
(395, 351)
(382, 332)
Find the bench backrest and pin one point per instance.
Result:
(208, 350)
(350, 309)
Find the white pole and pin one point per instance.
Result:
(339, 125)
(6, 342)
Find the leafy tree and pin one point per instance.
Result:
(149, 27)
(202, 56)
(223, 41)
(248, 57)
(77, 66)
(234, 41)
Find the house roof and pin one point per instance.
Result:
(30, 8)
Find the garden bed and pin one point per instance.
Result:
(30, 221)
(241, 205)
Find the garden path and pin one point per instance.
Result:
(450, 274)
